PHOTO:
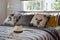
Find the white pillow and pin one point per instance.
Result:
(11, 19)
(39, 20)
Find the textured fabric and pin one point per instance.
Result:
(52, 22)
(25, 20)
(11, 19)
(27, 34)
(52, 32)
(39, 20)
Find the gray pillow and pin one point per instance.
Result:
(24, 20)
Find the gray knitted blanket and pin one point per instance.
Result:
(27, 34)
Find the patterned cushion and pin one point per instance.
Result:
(39, 20)
(11, 19)
(25, 20)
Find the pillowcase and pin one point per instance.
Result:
(24, 20)
(52, 22)
(11, 19)
(39, 20)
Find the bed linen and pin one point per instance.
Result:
(27, 34)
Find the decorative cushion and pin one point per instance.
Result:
(11, 19)
(39, 20)
(52, 22)
(24, 20)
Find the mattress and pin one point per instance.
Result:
(27, 34)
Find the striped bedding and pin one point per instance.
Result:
(27, 34)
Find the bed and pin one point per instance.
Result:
(27, 34)
(30, 32)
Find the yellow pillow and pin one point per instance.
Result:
(52, 22)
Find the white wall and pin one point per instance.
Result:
(3, 10)
(14, 6)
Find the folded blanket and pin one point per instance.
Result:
(53, 32)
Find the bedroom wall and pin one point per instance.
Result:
(3, 10)
(14, 6)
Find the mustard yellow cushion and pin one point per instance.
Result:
(52, 22)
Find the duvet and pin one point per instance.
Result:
(27, 34)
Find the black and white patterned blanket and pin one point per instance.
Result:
(27, 34)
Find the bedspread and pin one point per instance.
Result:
(27, 34)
